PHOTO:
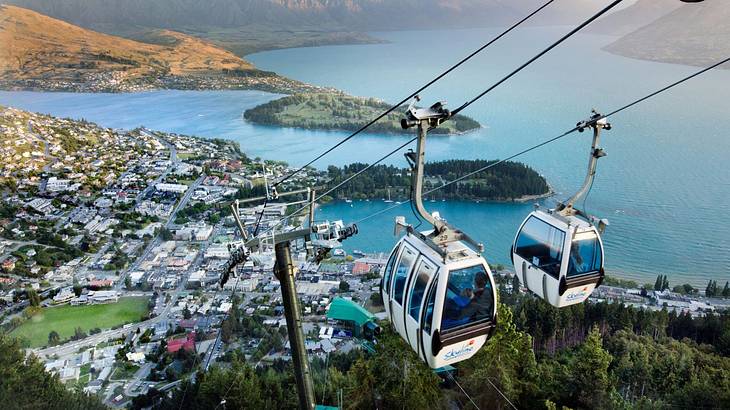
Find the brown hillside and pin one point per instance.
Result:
(38, 47)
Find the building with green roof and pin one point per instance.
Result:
(350, 313)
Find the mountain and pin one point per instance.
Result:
(333, 15)
(694, 34)
(42, 52)
(633, 17)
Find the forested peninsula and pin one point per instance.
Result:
(337, 111)
(507, 181)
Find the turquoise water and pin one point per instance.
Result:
(664, 186)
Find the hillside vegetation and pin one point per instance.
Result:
(332, 111)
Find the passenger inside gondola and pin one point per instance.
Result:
(585, 257)
(469, 298)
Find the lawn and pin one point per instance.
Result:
(64, 319)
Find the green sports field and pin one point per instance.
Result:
(64, 319)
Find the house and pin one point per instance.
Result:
(101, 283)
(137, 357)
(350, 315)
(188, 343)
(9, 264)
(360, 268)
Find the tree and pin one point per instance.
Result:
(344, 286)
(711, 289)
(128, 282)
(376, 299)
(186, 313)
(392, 378)
(508, 361)
(658, 283)
(515, 284)
(665, 283)
(24, 383)
(78, 334)
(53, 338)
(227, 330)
(591, 385)
(165, 234)
(726, 290)
(33, 298)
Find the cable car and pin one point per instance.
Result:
(558, 254)
(438, 292)
(441, 303)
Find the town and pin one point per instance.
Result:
(114, 242)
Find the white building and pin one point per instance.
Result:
(56, 185)
(64, 296)
(176, 188)
(103, 296)
(217, 251)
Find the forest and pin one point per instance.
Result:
(336, 111)
(506, 181)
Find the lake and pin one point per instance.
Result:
(664, 186)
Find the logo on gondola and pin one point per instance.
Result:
(464, 350)
(577, 295)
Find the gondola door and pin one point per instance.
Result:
(421, 278)
(401, 275)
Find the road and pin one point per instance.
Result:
(138, 378)
(46, 150)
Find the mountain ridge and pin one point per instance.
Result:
(693, 34)
(42, 52)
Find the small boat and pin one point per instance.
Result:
(349, 201)
(388, 200)
(358, 253)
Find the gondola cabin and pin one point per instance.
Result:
(441, 303)
(558, 257)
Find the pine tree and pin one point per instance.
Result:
(592, 383)
(665, 284)
(726, 290)
(658, 283)
(507, 360)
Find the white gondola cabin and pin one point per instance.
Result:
(444, 306)
(559, 258)
(558, 254)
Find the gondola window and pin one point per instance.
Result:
(541, 244)
(419, 288)
(388, 270)
(469, 298)
(401, 274)
(430, 302)
(585, 257)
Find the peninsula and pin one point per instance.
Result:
(339, 111)
(505, 182)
